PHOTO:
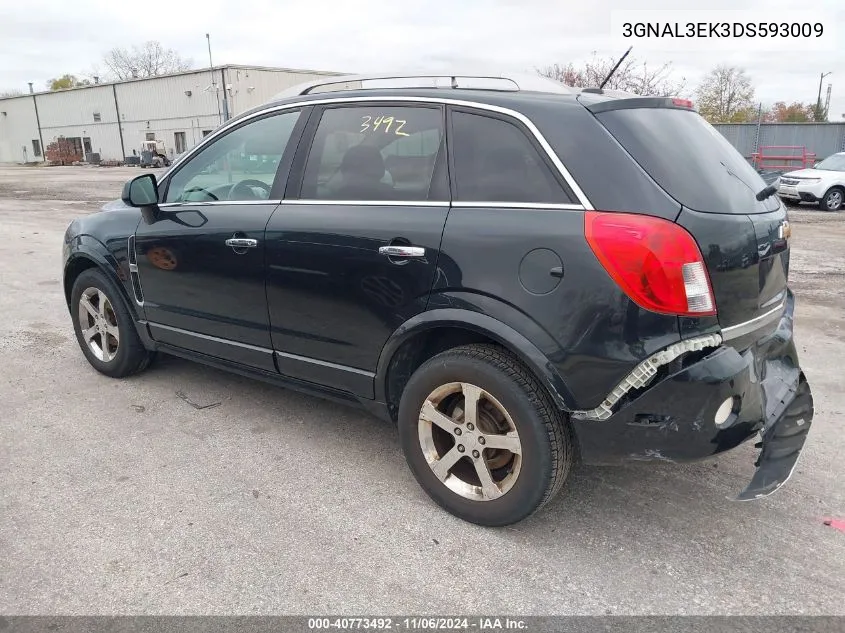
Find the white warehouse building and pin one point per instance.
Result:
(113, 119)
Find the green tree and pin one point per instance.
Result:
(726, 95)
(793, 113)
(67, 81)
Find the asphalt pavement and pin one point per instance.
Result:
(121, 496)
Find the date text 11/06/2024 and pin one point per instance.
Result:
(418, 623)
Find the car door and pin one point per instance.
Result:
(201, 261)
(353, 249)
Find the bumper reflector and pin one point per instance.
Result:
(723, 413)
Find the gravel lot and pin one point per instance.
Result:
(119, 497)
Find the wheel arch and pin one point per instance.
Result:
(836, 187)
(434, 331)
(75, 267)
(87, 252)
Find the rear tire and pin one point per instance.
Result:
(833, 200)
(104, 327)
(507, 465)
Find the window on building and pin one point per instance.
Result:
(97, 117)
(205, 133)
(36, 147)
(373, 153)
(150, 136)
(76, 143)
(496, 162)
(240, 165)
(179, 142)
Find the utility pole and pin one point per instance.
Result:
(819, 112)
(214, 83)
(826, 110)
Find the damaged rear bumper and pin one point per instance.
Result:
(674, 419)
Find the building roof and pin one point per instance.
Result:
(193, 71)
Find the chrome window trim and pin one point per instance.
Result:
(215, 203)
(519, 205)
(579, 194)
(371, 203)
(441, 203)
(746, 327)
(383, 203)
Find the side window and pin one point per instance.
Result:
(373, 153)
(241, 165)
(495, 162)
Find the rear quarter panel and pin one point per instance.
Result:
(587, 328)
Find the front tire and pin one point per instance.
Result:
(104, 328)
(833, 200)
(482, 437)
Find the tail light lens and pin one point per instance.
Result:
(656, 262)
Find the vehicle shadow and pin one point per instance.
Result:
(595, 500)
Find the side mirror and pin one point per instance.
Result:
(141, 191)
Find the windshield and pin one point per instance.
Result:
(689, 158)
(833, 163)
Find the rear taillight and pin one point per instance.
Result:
(656, 262)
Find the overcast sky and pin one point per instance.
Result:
(40, 39)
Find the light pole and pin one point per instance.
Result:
(819, 100)
(214, 83)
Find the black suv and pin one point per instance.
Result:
(517, 278)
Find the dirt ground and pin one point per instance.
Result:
(119, 497)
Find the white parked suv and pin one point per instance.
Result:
(823, 184)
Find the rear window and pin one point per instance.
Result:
(689, 158)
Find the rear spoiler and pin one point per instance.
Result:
(640, 102)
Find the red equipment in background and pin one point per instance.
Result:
(767, 160)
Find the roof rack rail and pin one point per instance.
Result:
(427, 80)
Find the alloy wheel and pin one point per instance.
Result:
(834, 200)
(470, 441)
(98, 324)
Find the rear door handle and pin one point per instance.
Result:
(395, 250)
(241, 242)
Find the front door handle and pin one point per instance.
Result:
(396, 250)
(241, 242)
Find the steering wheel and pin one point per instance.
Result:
(195, 189)
(243, 189)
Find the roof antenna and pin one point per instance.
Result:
(613, 70)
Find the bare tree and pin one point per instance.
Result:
(10, 93)
(726, 95)
(148, 60)
(632, 76)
